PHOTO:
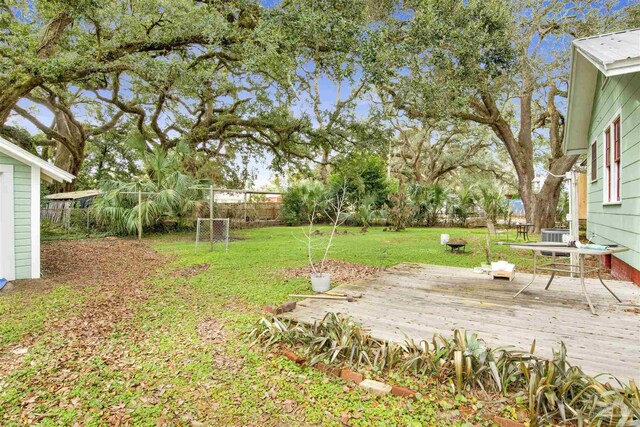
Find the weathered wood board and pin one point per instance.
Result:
(417, 301)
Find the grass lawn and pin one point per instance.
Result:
(170, 349)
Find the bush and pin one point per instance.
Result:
(429, 201)
(169, 196)
(298, 201)
(400, 210)
(361, 177)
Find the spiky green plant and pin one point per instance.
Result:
(338, 338)
(365, 212)
(493, 203)
(556, 389)
(271, 330)
(167, 194)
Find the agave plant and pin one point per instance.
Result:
(423, 359)
(338, 337)
(559, 390)
(271, 330)
(165, 193)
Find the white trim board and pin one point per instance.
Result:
(24, 156)
(35, 222)
(7, 229)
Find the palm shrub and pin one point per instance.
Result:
(299, 200)
(400, 210)
(493, 203)
(167, 194)
(429, 201)
(460, 206)
(365, 212)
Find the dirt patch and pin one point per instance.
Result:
(212, 331)
(109, 261)
(341, 271)
(191, 270)
(110, 273)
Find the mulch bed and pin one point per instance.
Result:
(109, 261)
(341, 271)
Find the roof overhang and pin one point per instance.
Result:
(610, 54)
(47, 170)
(73, 195)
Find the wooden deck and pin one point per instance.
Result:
(417, 301)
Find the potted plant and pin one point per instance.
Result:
(333, 208)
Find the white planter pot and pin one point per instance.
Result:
(320, 282)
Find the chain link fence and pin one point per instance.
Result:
(64, 221)
(210, 231)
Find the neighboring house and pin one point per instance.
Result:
(603, 121)
(20, 175)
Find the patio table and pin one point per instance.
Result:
(523, 230)
(563, 267)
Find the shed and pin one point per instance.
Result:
(20, 175)
(80, 199)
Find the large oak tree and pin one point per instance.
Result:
(503, 65)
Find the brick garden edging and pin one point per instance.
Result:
(348, 375)
(279, 309)
(505, 422)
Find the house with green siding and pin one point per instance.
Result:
(20, 175)
(603, 122)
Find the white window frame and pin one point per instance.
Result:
(593, 157)
(608, 187)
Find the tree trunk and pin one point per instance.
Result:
(63, 158)
(540, 209)
(325, 167)
(545, 206)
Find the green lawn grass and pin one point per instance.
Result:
(155, 368)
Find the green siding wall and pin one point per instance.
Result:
(22, 214)
(617, 223)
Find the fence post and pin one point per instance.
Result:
(245, 207)
(211, 217)
(139, 214)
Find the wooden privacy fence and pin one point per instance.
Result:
(249, 213)
(252, 214)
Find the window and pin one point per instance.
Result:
(616, 158)
(607, 164)
(594, 161)
(611, 190)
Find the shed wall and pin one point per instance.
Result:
(22, 215)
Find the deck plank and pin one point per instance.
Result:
(417, 301)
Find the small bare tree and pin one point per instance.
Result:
(334, 209)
